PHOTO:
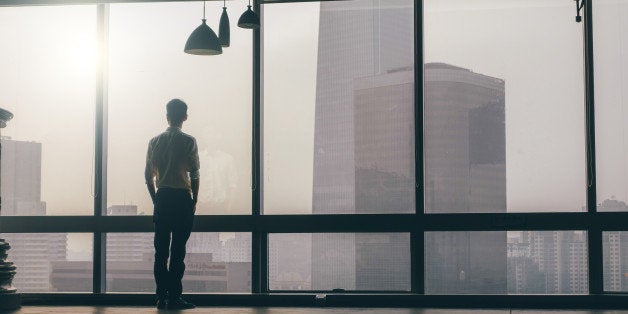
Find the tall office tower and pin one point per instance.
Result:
(561, 256)
(358, 39)
(615, 250)
(523, 273)
(547, 262)
(465, 171)
(289, 257)
(236, 248)
(613, 276)
(574, 262)
(21, 175)
(21, 196)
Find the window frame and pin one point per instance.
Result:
(260, 226)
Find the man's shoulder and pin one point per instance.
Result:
(188, 137)
(157, 137)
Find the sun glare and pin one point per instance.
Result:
(83, 57)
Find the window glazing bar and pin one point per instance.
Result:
(100, 151)
(417, 242)
(596, 277)
(258, 256)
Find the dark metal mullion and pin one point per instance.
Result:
(417, 235)
(259, 262)
(100, 151)
(349, 223)
(596, 276)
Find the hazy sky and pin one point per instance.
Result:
(47, 80)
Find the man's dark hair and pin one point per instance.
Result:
(176, 110)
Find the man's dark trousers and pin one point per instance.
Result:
(173, 218)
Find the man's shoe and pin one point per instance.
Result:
(179, 304)
(162, 303)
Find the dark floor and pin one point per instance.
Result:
(283, 310)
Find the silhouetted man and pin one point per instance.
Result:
(172, 165)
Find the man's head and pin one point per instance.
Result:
(177, 112)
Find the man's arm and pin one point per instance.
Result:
(149, 174)
(195, 184)
(195, 165)
(151, 191)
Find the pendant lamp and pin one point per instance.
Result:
(223, 28)
(249, 18)
(203, 40)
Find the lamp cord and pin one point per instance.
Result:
(204, 10)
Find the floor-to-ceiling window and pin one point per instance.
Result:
(426, 147)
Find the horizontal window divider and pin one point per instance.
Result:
(47, 224)
(347, 292)
(614, 221)
(13, 3)
(292, 1)
(603, 301)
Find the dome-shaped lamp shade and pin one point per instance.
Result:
(223, 29)
(249, 19)
(5, 116)
(203, 41)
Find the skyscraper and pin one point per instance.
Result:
(21, 196)
(21, 178)
(362, 39)
(465, 171)
(364, 154)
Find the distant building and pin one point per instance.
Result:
(33, 254)
(289, 258)
(21, 196)
(615, 250)
(21, 179)
(201, 275)
(130, 260)
(465, 171)
(358, 42)
(547, 262)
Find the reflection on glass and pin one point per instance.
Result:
(513, 262)
(611, 104)
(215, 262)
(503, 107)
(48, 82)
(217, 90)
(340, 139)
(51, 262)
(349, 261)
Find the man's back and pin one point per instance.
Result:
(171, 155)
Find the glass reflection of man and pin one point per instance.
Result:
(221, 179)
(172, 169)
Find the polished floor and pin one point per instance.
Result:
(285, 310)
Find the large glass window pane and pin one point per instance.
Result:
(499, 262)
(338, 107)
(215, 262)
(349, 261)
(51, 262)
(611, 106)
(503, 106)
(48, 81)
(147, 68)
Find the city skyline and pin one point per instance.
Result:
(521, 150)
(340, 170)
